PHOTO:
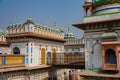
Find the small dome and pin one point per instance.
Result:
(69, 34)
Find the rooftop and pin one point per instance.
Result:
(41, 26)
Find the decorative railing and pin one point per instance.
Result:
(11, 60)
(61, 58)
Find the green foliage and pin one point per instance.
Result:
(103, 2)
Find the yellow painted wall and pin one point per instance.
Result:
(45, 32)
(18, 30)
(35, 30)
(39, 31)
(14, 30)
(0, 60)
(14, 60)
(22, 30)
(54, 55)
(50, 33)
(65, 58)
(10, 31)
(0, 38)
(43, 55)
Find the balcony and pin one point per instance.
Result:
(17, 62)
(64, 60)
(7, 61)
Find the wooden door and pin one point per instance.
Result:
(43, 55)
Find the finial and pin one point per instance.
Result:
(29, 18)
(55, 24)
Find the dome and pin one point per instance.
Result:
(69, 34)
(106, 6)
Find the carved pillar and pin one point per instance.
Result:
(103, 56)
(91, 10)
(85, 11)
(86, 8)
(117, 56)
(119, 63)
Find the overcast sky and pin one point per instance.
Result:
(64, 12)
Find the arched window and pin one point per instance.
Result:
(2, 38)
(16, 50)
(110, 56)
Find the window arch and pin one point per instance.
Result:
(110, 56)
(16, 50)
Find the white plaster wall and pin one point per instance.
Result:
(17, 78)
(106, 9)
(36, 56)
(4, 50)
(102, 17)
(88, 0)
(93, 60)
(26, 28)
(97, 56)
(21, 46)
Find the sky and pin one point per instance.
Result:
(63, 12)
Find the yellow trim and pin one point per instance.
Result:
(39, 31)
(54, 55)
(43, 55)
(35, 30)
(1, 61)
(14, 60)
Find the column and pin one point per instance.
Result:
(85, 11)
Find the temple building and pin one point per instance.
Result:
(35, 40)
(30, 46)
(101, 33)
(73, 45)
(31, 51)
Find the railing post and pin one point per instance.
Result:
(3, 60)
(24, 59)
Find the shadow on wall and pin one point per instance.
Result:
(52, 74)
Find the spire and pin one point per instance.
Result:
(69, 30)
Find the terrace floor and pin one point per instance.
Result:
(100, 74)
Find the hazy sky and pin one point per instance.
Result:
(64, 12)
